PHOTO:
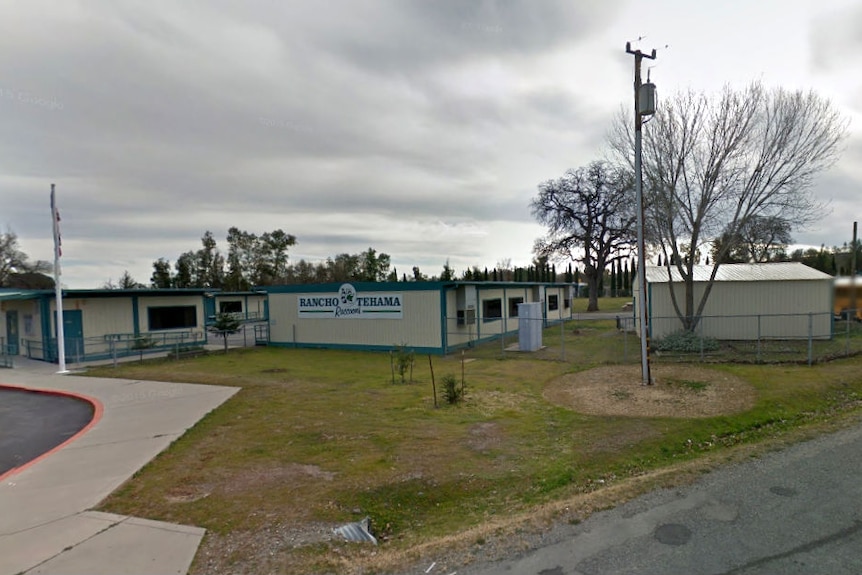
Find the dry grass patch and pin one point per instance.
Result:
(678, 391)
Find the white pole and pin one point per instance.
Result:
(58, 291)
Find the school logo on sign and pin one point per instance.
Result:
(349, 303)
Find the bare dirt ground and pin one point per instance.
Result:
(677, 391)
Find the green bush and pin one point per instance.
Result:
(452, 392)
(404, 360)
(686, 341)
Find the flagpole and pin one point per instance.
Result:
(58, 291)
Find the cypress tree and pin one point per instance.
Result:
(613, 281)
(627, 285)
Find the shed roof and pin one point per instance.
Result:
(779, 271)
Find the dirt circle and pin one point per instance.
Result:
(678, 391)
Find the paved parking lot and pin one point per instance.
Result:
(33, 423)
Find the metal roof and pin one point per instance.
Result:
(7, 295)
(779, 271)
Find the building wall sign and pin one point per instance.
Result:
(348, 303)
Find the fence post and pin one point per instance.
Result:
(810, 337)
(563, 337)
(758, 338)
(625, 341)
(114, 351)
(700, 322)
(847, 336)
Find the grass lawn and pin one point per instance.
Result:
(317, 438)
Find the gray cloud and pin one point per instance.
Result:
(418, 128)
(833, 36)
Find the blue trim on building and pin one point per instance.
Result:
(136, 316)
(356, 347)
(45, 312)
(444, 322)
(332, 287)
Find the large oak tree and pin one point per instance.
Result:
(590, 217)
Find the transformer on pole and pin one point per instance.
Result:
(644, 106)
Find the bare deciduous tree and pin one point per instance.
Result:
(590, 217)
(758, 240)
(13, 261)
(712, 164)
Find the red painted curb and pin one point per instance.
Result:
(98, 409)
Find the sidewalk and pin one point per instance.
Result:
(45, 523)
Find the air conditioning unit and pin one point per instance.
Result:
(466, 316)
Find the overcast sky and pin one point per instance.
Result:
(420, 128)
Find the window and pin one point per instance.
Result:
(173, 317)
(513, 305)
(567, 303)
(492, 309)
(230, 307)
(553, 302)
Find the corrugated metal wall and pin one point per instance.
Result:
(742, 310)
(100, 316)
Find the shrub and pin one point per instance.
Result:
(452, 392)
(404, 359)
(686, 341)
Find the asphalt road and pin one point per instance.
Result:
(32, 423)
(797, 511)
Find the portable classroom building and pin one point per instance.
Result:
(786, 300)
(428, 317)
(100, 323)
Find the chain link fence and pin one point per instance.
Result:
(607, 338)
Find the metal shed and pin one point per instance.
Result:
(786, 300)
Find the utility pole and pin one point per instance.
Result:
(645, 108)
(853, 275)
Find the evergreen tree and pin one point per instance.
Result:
(613, 281)
(627, 284)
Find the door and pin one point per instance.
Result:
(12, 332)
(73, 333)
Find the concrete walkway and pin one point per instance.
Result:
(46, 526)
